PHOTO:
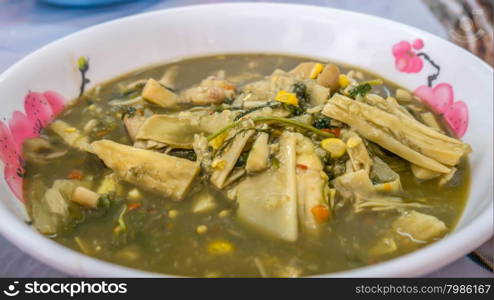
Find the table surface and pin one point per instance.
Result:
(26, 25)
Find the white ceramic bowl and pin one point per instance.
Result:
(134, 42)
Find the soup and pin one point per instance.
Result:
(246, 165)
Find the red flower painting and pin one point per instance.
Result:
(40, 109)
(406, 59)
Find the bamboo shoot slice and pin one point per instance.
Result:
(158, 172)
(175, 132)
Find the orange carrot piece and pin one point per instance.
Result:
(320, 213)
(132, 206)
(335, 131)
(101, 133)
(75, 174)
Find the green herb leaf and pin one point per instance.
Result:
(242, 160)
(250, 110)
(360, 89)
(129, 111)
(228, 101)
(321, 122)
(184, 153)
(275, 162)
(121, 221)
(300, 90)
(280, 120)
(104, 201)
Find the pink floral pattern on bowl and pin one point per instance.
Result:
(406, 60)
(439, 98)
(40, 109)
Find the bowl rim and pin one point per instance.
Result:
(28, 240)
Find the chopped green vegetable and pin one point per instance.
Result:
(129, 111)
(121, 220)
(360, 89)
(228, 101)
(281, 120)
(300, 91)
(294, 110)
(250, 110)
(242, 159)
(184, 153)
(104, 201)
(275, 162)
(321, 122)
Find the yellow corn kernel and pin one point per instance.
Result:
(70, 129)
(224, 213)
(343, 80)
(220, 248)
(387, 187)
(202, 229)
(218, 141)
(218, 164)
(134, 194)
(286, 97)
(316, 70)
(353, 142)
(172, 214)
(117, 229)
(334, 146)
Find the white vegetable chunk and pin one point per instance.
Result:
(259, 154)
(133, 124)
(311, 184)
(268, 201)
(397, 132)
(224, 164)
(357, 188)
(203, 202)
(419, 227)
(70, 135)
(85, 197)
(423, 173)
(51, 212)
(211, 90)
(174, 132)
(357, 151)
(154, 92)
(169, 175)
